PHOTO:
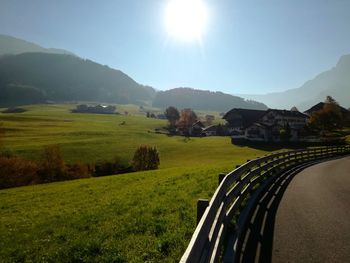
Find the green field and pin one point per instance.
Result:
(136, 217)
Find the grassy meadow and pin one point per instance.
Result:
(137, 217)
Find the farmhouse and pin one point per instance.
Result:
(99, 109)
(272, 125)
(239, 119)
(210, 130)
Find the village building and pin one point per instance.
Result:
(210, 130)
(239, 119)
(265, 126)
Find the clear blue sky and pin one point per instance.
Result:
(249, 46)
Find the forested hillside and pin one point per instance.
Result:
(203, 100)
(36, 77)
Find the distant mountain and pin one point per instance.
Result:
(334, 82)
(202, 100)
(13, 46)
(36, 77)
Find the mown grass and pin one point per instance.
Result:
(137, 217)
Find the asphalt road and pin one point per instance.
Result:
(312, 223)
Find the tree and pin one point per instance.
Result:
(53, 166)
(209, 119)
(329, 117)
(330, 100)
(172, 115)
(145, 158)
(187, 118)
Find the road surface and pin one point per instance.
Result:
(312, 222)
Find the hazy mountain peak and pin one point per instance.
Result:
(334, 82)
(344, 61)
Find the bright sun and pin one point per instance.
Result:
(186, 19)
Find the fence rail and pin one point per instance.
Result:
(234, 195)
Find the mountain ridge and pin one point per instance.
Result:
(30, 73)
(334, 82)
(185, 97)
(37, 77)
(10, 45)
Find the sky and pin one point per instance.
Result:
(248, 47)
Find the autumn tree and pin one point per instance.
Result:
(173, 115)
(187, 118)
(329, 117)
(53, 167)
(209, 119)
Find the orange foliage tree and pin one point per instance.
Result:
(187, 118)
(329, 117)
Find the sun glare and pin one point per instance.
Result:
(186, 19)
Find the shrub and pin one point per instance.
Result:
(53, 167)
(78, 170)
(145, 158)
(111, 167)
(15, 171)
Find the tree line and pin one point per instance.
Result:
(16, 171)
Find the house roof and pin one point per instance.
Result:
(288, 113)
(248, 116)
(199, 123)
(320, 105)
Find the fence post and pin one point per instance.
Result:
(202, 204)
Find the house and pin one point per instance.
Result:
(197, 128)
(99, 109)
(319, 106)
(193, 130)
(270, 133)
(270, 125)
(293, 118)
(239, 119)
(210, 130)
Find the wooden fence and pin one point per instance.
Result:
(234, 196)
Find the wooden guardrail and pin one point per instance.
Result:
(234, 193)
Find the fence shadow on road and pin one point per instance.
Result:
(258, 238)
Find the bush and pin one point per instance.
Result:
(111, 167)
(78, 170)
(145, 158)
(15, 171)
(53, 167)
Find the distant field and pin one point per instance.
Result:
(93, 137)
(137, 217)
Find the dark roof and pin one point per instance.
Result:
(248, 116)
(198, 123)
(288, 113)
(320, 105)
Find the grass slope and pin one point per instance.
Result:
(138, 217)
